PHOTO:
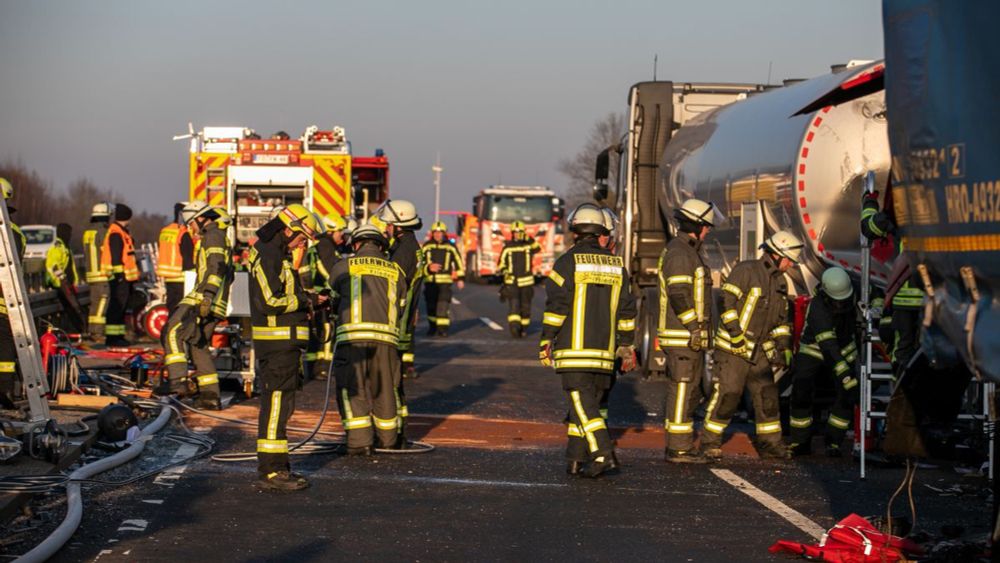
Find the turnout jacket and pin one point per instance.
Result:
(93, 242)
(755, 310)
(325, 254)
(214, 270)
(685, 287)
(59, 265)
(515, 261)
(279, 307)
(445, 254)
(369, 292)
(589, 311)
(406, 253)
(830, 336)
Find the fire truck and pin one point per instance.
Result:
(233, 167)
(483, 232)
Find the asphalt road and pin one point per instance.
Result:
(494, 489)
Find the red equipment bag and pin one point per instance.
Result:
(853, 540)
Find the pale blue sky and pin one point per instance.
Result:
(502, 89)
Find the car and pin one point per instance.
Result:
(40, 239)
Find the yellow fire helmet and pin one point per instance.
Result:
(300, 220)
(517, 227)
(334, 222)
(439, 226)
(7, 187)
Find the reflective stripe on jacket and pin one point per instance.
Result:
(93, 243)
(515, 262)
(685, 286)
(124, 262)
(755, 310)
(446, 255)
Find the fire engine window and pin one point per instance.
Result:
(515, 208)
(38, 236)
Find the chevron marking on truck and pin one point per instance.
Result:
(330, 190)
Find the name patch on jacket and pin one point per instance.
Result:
(597, 269)
(370, 266)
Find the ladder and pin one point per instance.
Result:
(22, 324)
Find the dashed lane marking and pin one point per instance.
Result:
(464, 482)
(169, 476)
(153, 501)
(795, 517)
(455, 301)
(489, 322)
(134, 525)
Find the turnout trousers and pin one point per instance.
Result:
(588, 436)
(175, 292)
(367, 379)
(98, 316)
(437, 297)
(906, 337)
(732, 375)
(805, 370)
(685, 368)
(186, 332)
(519, 307)
(118, 292)
(8, 363)
(72, 311)
(278, 367)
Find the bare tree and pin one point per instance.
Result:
(579, 169)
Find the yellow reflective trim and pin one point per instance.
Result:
(171, 359)
(582, 415)
(584, 353)
(735, 290)
(369, 335)
(556, 278)
(838, 422)
(749, 306)
(272, 446)
(575, 431)
(8, 367)
(385, 423)
(841, 367)
(553, 319)
(581, 363)
(675, 428)
(675, 280)
(825, 335)
(800, 422)
(513, 318)
(730, 316)
(699, 294)
(715, 427)
(208, 379)
(688, 316)
(274, 415)
(781, 330)
(679, 403)
(579, 314)
(768, 427)
(626, 325)
(850, 383)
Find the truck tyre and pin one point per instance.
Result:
(645, 335)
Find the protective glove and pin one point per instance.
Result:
(205, 307)
(627, 355)
(545, 352)
(695, 342)
(779, 359)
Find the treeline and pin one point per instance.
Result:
(38, 202)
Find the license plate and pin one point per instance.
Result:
(270, 159)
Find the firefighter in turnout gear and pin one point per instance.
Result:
(8, 350)
(754, 335)
(279, 313)
(685, 311)
(518, 278)
(97, 278)
(589, 321)
(905, 301)
(324, 255)
(118, 259)
(192, 323)
(369, 290)
(609, 242)
(175, 256)
(444, 268)
(61, 275)
(828, 346)
(400, 219)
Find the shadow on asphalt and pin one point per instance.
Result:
(315, 550)
(453, 400)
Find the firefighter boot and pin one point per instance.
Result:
(773, 450)
(711, 449)
(281, 481)
(602, 465)
(685, 457)
(574, 467)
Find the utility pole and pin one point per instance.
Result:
(437, 187)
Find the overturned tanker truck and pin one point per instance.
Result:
(744, 148)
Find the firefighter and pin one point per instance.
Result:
(118, 258)
(684, 321)
(61, 275)
(369, 289)
(400, 219)
(175, 256)
(97, 278)
(193, 322)
(518, 277)
(444, 268)
(8, 351)
(279, 313)
(589, 321)
(828, 346)
(754, 336)
(905, 301)
(325, 254)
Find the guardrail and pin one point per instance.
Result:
(43, 300)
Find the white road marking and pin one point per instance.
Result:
(153, 501)
(168, 476)
(455, 301)
(489, 322)
(456, 481)
(795, 517)
(134, 525)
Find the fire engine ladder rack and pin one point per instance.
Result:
(22, 325)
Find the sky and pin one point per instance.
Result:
(503, 90)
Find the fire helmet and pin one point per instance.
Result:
(300, 220)
(369, 233)
(398, 212)
(588, 218)
(102, 210)
(837, 284)
(439, 226)
(696, 211)
(7, 188)
(784, 244)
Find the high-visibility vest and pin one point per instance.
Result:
(93, 242)
(169, 262)
(128, 267)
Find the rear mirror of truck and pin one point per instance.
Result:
(601, 175)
